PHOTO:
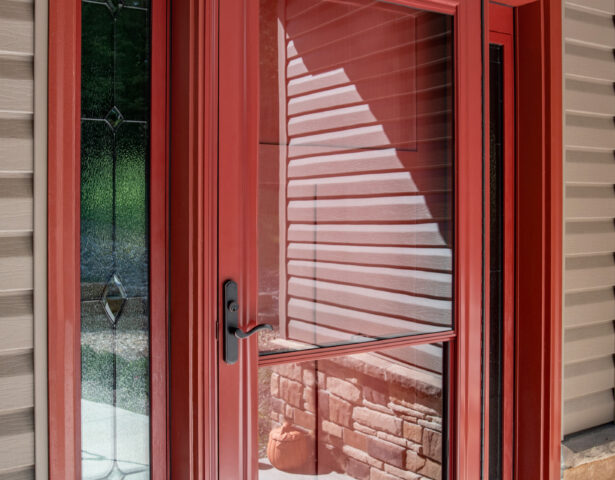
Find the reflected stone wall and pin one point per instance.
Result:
(365, 415)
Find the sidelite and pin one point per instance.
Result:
(115, 291)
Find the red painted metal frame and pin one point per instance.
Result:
(350, 349)
(501, 20)
(508, 347)
(238, 90)
(501, 32)
(158, 275)
(539, 240)
(238, 94)
(466, 451)
(193, 240)
(64, 159)
(63, 239)
(538, 265)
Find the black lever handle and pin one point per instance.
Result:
(239, 333)
(232, 332)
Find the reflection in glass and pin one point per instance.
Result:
(115, 398)
(369, 415)
(355, 172)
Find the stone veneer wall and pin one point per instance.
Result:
(372, 417)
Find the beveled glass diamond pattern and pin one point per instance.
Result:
(113, 298)
(114, 118)
(115, 473)
(115, 81)
(134, 471)
(114, 5)
(118, 473)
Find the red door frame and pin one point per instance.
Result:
(193, 216)
(538, 228)
(501, 32)
(237, 228)
(63, 240)
(193, 240)
(539, 239)
(63, 216)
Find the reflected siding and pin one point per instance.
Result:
(368, 155)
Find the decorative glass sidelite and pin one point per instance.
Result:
(115, 331)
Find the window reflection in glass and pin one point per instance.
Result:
(355, 172)
(368, 415)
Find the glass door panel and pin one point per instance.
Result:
(354, 237)
(115, 253)
(355, 173)
(379, 413)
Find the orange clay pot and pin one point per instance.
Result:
(288, 448)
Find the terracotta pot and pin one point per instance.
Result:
(288, 448)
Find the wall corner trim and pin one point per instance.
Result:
(41, 418)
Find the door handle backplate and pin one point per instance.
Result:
(232, 332)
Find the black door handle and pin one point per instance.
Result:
(239, 333)
(232, 332)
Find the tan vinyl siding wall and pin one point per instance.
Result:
(22, 215)
(589, 210)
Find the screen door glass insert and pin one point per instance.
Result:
(355, 230)
(355, 173)
(115, 330)
(372, 415)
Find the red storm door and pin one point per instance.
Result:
(342, 139)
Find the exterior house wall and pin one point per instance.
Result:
(589, 210)
(22, 239)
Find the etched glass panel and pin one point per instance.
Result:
(355, 173)
(115, 393)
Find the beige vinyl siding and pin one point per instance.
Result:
(589, 211)
(21, 155)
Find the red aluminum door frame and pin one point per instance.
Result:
(193, 240)
(63, 217)
(239, 91)
(501, 32)
(538, 38)
(63, 329)
(538, 237)
(194, 127)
